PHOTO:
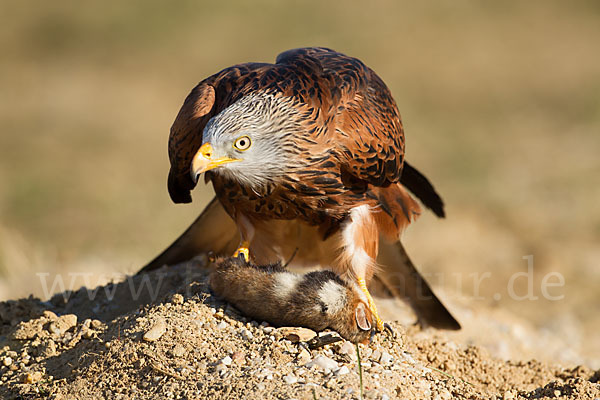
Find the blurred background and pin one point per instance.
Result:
(500, 102)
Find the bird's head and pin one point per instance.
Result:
(250, 141)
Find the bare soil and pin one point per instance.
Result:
(172, 340)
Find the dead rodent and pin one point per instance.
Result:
(316, 300)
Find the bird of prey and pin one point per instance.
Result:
(306, 157)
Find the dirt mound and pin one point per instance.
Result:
(163, 335)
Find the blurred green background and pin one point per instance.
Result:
(500, 101)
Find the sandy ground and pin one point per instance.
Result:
(164, 336)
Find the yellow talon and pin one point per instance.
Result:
(363, 286)
(243, 249)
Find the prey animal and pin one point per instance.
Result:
(316, 300)
(306, 157)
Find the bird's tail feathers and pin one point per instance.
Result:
(420, 186)
(401, 278)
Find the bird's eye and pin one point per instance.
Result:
(242, 143)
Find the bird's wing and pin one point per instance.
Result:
(357, 112)
(214, 231)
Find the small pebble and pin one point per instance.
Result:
(199, 324)
(508, 395)
(385, 397)
(226, 361)
(47, 348)
(157, 330)
(444, 395)
(7, 361)
(303, 356)
(177, 299)
(268, 329)
(96, 324)
(69, 319)
(348, 349)
(290, 379)
(32, 377)
(178, 351)
(386, 358)
(323, 362)
(246, 334)
(222, 325)
(296, 334)
(238, 357)
(49, 315)
(54, 329)
(342, 371)
(376, 355)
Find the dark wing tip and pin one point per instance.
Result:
(420, 186)
(179, 189)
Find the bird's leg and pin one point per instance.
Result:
(244, 249)
(360, 240)
(246, 229)
(363, 286)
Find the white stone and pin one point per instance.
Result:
(348, 349)
(226, 361)
(386, 358)
(157, 330)
(324, 363)
(222, 325)
(303, 356)
(444, 395)
(342, 371)
(246, 334)
(376, 355)
(290, 379)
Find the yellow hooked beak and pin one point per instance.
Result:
(203, 161)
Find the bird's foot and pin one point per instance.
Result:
(243, 250)
(363, 286)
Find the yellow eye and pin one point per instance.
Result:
(242, 143)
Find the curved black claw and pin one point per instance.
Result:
(388, 328)
(373, 333)
(320, 341)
